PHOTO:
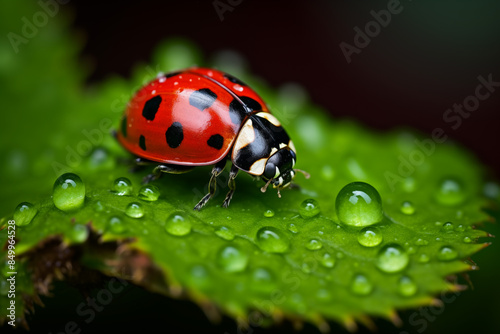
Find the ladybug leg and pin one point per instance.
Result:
(218, 168)
(232, 185)
(171, 169)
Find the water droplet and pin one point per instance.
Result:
(69, 192)
(309, 208)
(271, 240)
(327, 173)
(199, 276)
(116, 226)
(370, 237)
(149, 193)
(447, 253)
(269, 213)
(24, 213)
(80, 233)
(122, 186)
(392, 258)
(262, 280)
(361, 285)
(407, 208)
(224, 233)
(359, 204)
(421, 242)
(327, 261)
(407, 287)
(467, 240)
(134, 210)
(177, 225)
(423, 258)
(98, 206)
(460, 228)
(292, 228)
(231, 259)
(314, 244)
(450, 192)
(448, 227)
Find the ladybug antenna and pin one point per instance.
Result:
(264, 188)
(306, 174)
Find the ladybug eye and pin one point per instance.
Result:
(270, 170)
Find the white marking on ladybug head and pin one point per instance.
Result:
(292, 147)
(282, 145)
(292, 174)
(258, 167)
(277, 172)
(245, 137)
(293, 162)
(273, 150)
(273, 120)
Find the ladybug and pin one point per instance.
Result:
(201, 116)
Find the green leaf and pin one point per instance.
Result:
(289, 257)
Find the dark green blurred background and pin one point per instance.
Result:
(425, 60)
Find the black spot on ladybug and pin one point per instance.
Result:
(142, 142)
(216, 141)
(238, 111)
(151, 107)
(124, 126)
(202, 98)
(171, 74)
(174, 135)
(234, 80)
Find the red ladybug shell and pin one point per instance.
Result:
(190, 117)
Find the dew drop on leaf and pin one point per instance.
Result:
(177, 225)
(231, 259)
(314, 244)
(116, 226)
(272, 240)
(370, 237)
(224, 233)
(292, 228)
(421, 242)
(448, 227)
(450, 192)
(80, 233)
(447, 253)
(68, 192)
(407, 208)
(134, 210)
(392, 258)
(460, 228)
(327, 261)
(407, 287)
(269, 213)
(361, 286)
(24, 213)
(309, 208)
(199, 276)
(423, 258)
(467, 240)
(98, 207)
(122, 186)
(359, 204)
(262, 280)
(149, 193)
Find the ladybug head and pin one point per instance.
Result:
(279, 169)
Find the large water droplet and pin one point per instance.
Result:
(224, 233)
(116, 225)
(122, 186)
(269, 213)
(309, 208)
(450, 192)
(447, 253)
(392, 258)
(134, 210)
(314, 244)
(178, 225)
(272, 240)
(69, 192)
(407, 287)
(359, 204)
(149, 193)
(327, 261)
(24, 213)
(407, 208)
(361, 286)
(262, 280)
(231, 259)
(370, 237)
